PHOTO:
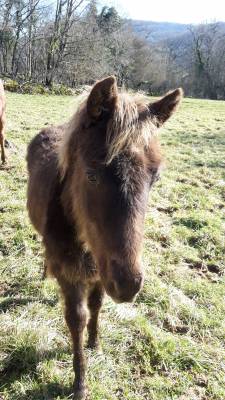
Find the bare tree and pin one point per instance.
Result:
(64, 19)
(74, 42)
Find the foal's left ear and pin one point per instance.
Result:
(103, 97)
(165, 107)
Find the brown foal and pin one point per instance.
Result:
(88, 188)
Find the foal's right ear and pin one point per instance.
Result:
(103, 97)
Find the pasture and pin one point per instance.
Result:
(169, 345)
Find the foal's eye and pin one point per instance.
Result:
(92, 176)
(155, 176)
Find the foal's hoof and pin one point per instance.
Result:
(94, 344)
(96, 348)
(79, 394)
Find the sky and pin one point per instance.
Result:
(189, 11)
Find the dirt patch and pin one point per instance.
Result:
(175, 328)
(210, 271)
(167, 210)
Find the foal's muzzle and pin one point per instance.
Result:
(125, 283)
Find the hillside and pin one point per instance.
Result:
(155, 31)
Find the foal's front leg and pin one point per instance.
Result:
(75, 314)
(95, 299)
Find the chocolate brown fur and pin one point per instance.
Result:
(87, 196)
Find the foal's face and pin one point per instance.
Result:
(114, 202)
(112, 197)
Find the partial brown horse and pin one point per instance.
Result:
(87, 195)
(2, 122)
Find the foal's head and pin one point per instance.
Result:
(113, 152)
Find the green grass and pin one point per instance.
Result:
(170, 343)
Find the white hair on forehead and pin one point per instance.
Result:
(126, 128)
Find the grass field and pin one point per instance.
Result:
(169, 345)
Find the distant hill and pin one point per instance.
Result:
(156, 31)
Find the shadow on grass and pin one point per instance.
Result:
(49, 391)
(24, 360)
(6, 167)
(191, 223)
(12, 302)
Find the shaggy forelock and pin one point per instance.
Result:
(126, 131)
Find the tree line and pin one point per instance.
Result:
(196, 61)
(75, 42)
